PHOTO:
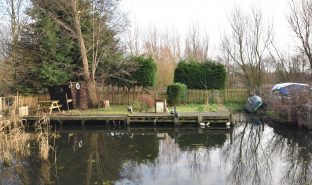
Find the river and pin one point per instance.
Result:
(251, 152)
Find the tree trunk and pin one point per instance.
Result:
(92, 94)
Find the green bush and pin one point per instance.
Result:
(145, 75)
(177, 93)
(140, 71)
(201, 108)
(197, 75)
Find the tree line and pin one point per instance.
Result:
(47, 43)
(253, 56)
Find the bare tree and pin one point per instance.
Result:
(166, 51)
(300, 20)
(14, 11)
(13, 18)
(196, 45)
(289, 67)
(132, 42)
(248, 44)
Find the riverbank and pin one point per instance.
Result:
(193, 107)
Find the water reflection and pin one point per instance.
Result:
(136, 156)
(99, 156)
(251, 153)
(247, 156)
(296, 149)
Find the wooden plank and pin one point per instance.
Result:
(185, 118)
(153, 131)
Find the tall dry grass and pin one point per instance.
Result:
(42, 132)
(14, 141)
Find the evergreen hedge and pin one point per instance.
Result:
(145, 75)
(197, 75)
(176, 93)
(141, 71)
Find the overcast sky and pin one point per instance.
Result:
(211, 15)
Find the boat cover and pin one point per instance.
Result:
(288, 88)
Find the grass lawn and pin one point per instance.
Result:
(192, 107)
(235, 106)
(197, 107)
(115, 109)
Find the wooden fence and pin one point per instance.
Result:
(7, 103)
(128, 96)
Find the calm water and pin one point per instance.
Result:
(247, 154)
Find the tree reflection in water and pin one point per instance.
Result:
(255, 154)
(295, 148)
(250, 163)
(183, 158)
(261, 154)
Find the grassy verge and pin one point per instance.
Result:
(197, 107)
(235, 106)
(122, 109)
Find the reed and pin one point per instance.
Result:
(42, 132)
(14, 141)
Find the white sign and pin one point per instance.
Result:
(160, 106)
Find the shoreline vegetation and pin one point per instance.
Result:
(16, 142)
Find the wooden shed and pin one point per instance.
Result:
(71, 96)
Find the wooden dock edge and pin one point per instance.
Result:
(155, 118)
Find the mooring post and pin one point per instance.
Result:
(200, 119)
(200, 130)
(107, 122)
(128, 121)
(155, 122)
(232, 119)
(60, 122)
(231, 137)
(128, 128)
(83, 123)
(176, 121)
(289, 114)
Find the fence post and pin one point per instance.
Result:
(225, 95)
(1, 108)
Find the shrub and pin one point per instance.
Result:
(138, 71)
(201, 108)
(177, 93)
(196, 75)
(207, 108)
(144, 103)
(145, 75)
